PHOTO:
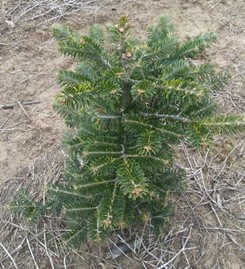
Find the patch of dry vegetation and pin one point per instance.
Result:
(209, 220)
(44, 11)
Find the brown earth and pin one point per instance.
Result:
(29, 62)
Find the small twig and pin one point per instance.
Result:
(215, 5)
(224, 229)
(235, 242)
(126, 2)
(46, 249)
(11, 258)
(64, 262)
(216, 215)
(81, 257)
(10, 106)
(28, 10)
(24, 110)
(1, 127)
(119, 250)
(21, 245)
(102, 265)
(28, 231)
(182, 249)
(32, 255)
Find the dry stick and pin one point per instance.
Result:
(206, 191)
(148, 252)
(215, 4)
(11, 258)
(102, 265)
(216, 215)
(1, 264)
(46, 249)
(24, 110)
(182, 249)
(192, 210)
(28, 10)
(64, 262)
(164, 252)
(10, 106)
(15, 7)
(32, 255)
(1, 127)
(226, 244)
(186, 155)
(74, 251)
(224, 229)
(118, 248)
(225, 161)
(28, 231)
(147, 262)
(15, 250)
(165, 255)
(231, 96)
(238, 227)
(41, 15)
(235, 242)
(211, 201)
(186, 258)
(126, 2)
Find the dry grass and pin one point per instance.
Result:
(209, 216)
(43, 11)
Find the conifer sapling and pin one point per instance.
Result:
(127, 104)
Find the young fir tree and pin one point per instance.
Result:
(128, 103)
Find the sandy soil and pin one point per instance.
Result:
(29, 61)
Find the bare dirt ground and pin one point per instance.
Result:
(209, 227)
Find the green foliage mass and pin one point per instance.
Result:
(128, 103)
